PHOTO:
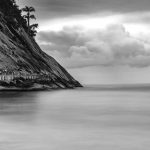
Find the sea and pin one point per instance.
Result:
(96, 117)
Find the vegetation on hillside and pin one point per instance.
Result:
(29, 15)
(13, 15)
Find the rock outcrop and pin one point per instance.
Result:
(23, 65)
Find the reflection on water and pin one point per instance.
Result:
(81, 119)
(17, 105)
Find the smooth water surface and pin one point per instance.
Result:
(80, 119)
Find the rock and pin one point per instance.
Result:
(23, 65)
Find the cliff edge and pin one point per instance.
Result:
(23, 65)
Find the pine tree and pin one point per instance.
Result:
(29, 16)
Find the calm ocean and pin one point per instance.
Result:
(90, 118)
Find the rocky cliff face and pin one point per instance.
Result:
(24, 65)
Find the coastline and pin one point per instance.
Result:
(33, 88)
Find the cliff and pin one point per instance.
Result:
(23, 65)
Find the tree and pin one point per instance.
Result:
(28, 17)
(33, 29)
(12, 14)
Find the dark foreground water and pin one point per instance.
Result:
(82, 119)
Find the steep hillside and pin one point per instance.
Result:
(24, 65)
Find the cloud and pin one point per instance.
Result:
(140, 17)
(113, 46)
(61, 8)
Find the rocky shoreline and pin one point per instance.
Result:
(35, 88)
(22, 84)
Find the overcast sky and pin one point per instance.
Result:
(62, 8)
(97, 40)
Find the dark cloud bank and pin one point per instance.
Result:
(109, 47)
(62, 8)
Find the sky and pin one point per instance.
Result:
(97, 41)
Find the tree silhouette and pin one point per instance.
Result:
(33, 29)
(12, 14)
(28, 17)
